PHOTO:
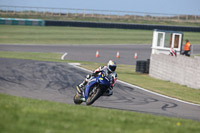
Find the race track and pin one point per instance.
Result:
(57, 81)
(88, 52)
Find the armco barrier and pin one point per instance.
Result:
(120, 26)
(17, 21)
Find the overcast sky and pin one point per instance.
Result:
(152, 6)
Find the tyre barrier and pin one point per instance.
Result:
(142, 66)
(17, 21)
(121, 26)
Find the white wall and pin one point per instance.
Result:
(181, 69)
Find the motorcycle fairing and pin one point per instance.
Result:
(90, 84)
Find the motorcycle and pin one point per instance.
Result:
(95, 88)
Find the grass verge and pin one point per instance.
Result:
(22, 115)
(10, 34)
(125, 73)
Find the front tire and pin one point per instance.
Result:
(93, 96)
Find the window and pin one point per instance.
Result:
(168, 40)
(160, 39)
(176, 41)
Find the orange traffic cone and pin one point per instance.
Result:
(117, 54)
(97, 54)
(136, 56)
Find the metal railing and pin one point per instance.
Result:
(90, 13)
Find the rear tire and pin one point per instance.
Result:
(77, 100)
(94, 96)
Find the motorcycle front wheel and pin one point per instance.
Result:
(94, 94)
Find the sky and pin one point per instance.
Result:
(188, 7)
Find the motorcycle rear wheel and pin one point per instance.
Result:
(77, 100)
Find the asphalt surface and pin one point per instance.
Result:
(57, 81)
(88, 52)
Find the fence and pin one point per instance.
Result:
(90, 13)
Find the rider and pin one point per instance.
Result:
(110, 73)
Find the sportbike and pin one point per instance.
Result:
(96, 87)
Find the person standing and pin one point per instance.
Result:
(187, 48)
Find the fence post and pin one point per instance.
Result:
(84, 13)
(92, 14)
(187, 17)
(43, 11)
(118, 15)
(30, 11)
(52, 12)
(135, 16)
(15, 10)
(178, 17)
(7, 9)
(60, 12)
(67, 12)
(36, 11)
(76, 12)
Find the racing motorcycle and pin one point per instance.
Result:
(95, 88)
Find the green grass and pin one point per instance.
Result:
(75, 35)
(31, 55)
(125, 73)
(24, 115)
(71, 35)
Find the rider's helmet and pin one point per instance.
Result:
(111, 66)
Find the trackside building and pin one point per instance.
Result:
(178, 69)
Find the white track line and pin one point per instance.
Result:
(143, 88)
(63, 56)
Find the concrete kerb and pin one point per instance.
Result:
(128, 84)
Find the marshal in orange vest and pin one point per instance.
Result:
(187, 46)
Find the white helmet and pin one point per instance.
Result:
(111, 66)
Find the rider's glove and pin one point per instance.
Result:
(94, 74)
(88, 76)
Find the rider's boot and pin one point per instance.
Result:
(109, 92)
(81, 86)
